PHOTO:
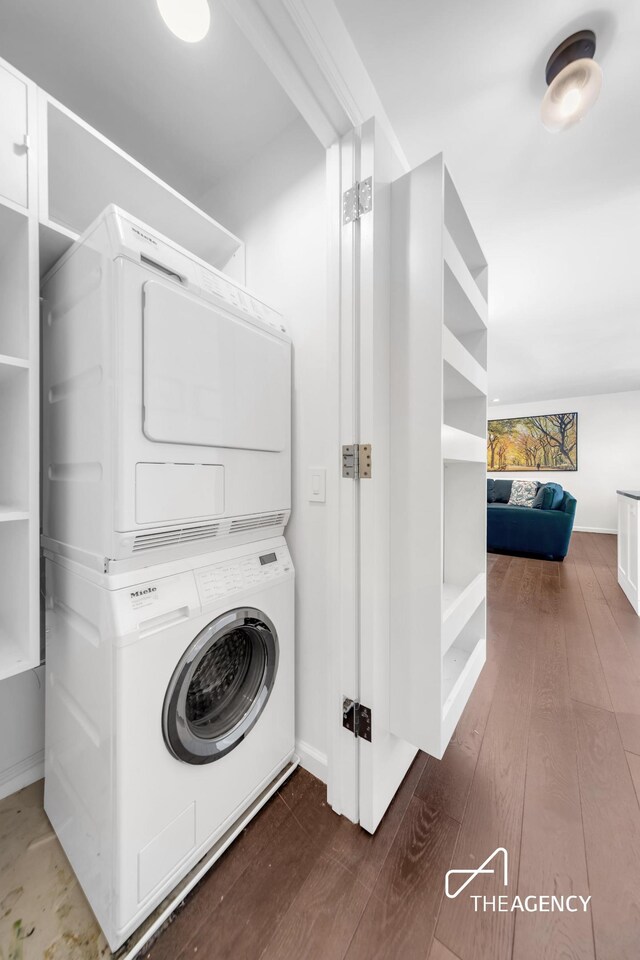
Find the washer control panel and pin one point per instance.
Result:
(221, 579)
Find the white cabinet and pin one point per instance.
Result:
(438, 458)
(13, 138)
(19, 381)
(629, 544)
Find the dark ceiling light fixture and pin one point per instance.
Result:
(574, 80)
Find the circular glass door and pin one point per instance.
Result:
(220, 686)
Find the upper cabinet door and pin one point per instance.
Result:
(13, 142)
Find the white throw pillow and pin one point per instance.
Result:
(523, 493)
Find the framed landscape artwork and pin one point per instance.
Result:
(536, 444)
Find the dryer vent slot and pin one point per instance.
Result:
(166, 538)
(151, 541)
(158, 266)
(253, 523)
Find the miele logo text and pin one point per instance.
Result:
(145, 236)
(502, 903)
(142, 593)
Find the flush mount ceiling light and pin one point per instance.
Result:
(574, 80)
(188, 19)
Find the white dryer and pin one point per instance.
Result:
(169, 710)
(167, 402)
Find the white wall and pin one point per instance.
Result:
(22, 726)
(608, 452)
(276, 203)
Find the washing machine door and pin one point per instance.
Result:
(220, 686)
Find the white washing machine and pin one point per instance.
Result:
(169, 709)
(166, 403)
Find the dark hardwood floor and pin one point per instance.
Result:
(544, 762)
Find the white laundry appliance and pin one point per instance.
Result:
(169, 709)
(167, 403)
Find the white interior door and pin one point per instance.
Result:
(370, 772)
(413, 360)
(384, 761)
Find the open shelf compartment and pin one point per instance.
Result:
(465, 309)
(459, 602)
(461, 666)
(458, 226)
(19, 641)
(463, 376)
(14, 438)
(14, 283)
(54, 240)
(461, 445)
(86, 172)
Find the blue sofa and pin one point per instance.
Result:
(543, 530)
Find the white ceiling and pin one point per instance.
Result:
(557, 214)
(189, 112)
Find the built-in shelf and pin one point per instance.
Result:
(472, 306)
(458, 226)
(12, 371)
(453, 663)
(12, 659)
(18, 615)
(461, 445)
(13, 362)
(14, 434)
(14, 281)
(54, 241)
(460, 670)
(84, 173)
(8, 514)
(463, 375)
(439, 415)
(459, 602)
(19, 379)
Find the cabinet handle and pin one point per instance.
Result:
(24, 146)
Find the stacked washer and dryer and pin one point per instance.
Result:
(169, 585)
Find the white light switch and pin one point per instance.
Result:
(317, 484)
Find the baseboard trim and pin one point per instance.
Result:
(593, 530)
(312, 760)
(21, 774)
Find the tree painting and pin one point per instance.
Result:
(549, 442)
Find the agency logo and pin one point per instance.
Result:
(472, 874)
(502, 903)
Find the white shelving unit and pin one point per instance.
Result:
(19, 379)
(438, 451)
(81, 172)
(56, 175)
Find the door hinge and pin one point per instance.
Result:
(357, 201)
(356, 718)
(356, 461)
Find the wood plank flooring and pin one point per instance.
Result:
(545, 761)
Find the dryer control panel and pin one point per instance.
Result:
(222, 287)
(233, 576)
